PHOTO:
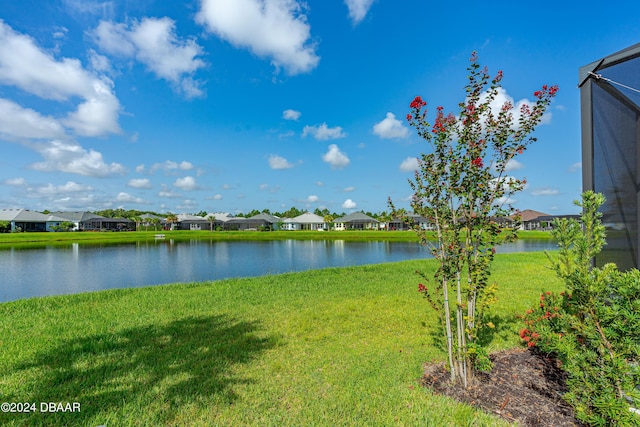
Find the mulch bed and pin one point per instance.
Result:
(523, 386)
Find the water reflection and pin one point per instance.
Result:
(53, 270)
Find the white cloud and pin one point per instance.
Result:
(323, 132)
(545, 191)
(217, 197)
(187, 183)
(513, 165)
(506, 181)
(19, 122)
(153, 42)
(390, 127)
(576, 167)
(168, 193)
(503, 97)
(99, 63)
(505, 200)
(287, 134)
(187, 204)
(275, 29)
(358, 9)
(167, 165)
(161, 50)
(271, 188)
(277, 162)
(349, 189)
(72, 158)
(91, 7)
(139, 183)
(126, 197)
(336, 158)
(98, 114)
(312, 198)
(60, 33)
(16, 182)
(185, 166)
(320, 183)
(409, 164)
(69, 187)
(24, 65)
(349, 204)
(291, 114)
(68, 196)
(114, 38)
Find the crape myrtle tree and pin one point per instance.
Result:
(462, 187)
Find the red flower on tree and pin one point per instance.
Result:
(417, 103)
(546, 90)
(477, 162)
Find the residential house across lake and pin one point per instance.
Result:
(26, 220)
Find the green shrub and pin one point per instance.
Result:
(5, 227)
(593, 327)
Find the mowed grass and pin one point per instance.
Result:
(331, 347)
(85, 237)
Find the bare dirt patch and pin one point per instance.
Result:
(523, 386)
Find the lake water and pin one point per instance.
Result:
(55, 270)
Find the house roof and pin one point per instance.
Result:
(307, 218)
(266, 217)
(152, 216)
(410, 216)
(102, 219)
(220, 216)
(530, 215)
(356, 217)
(189, 217)
(27, 216)
(552, 217)
(76, 216)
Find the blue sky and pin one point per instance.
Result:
(231, 105)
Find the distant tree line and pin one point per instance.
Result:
(289, 213)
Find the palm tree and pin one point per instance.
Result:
(211, 219)
(171, 219)
(385, 218)
(156, 222)
(328, 219)
(137, 220)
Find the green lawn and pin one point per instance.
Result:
(331, 347)
(12, 239)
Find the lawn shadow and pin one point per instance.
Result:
(155, 369)
(437, 335)
(502, 327)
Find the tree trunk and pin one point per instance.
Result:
(447, 321)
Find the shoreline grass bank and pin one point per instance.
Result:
(331, 347)
(12, 239)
